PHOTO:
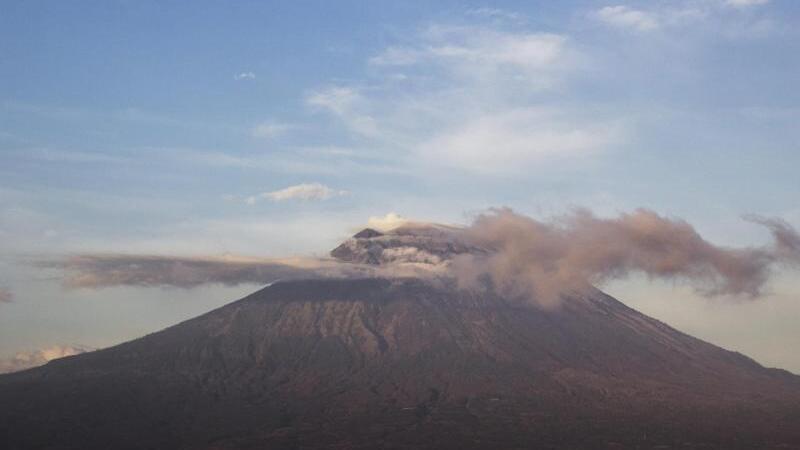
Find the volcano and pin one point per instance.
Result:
(404, 363)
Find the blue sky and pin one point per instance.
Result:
(172, 128)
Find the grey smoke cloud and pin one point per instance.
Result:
(104, 270)
(518, 256)
(571, 252)
(786, 245)
(107, 270)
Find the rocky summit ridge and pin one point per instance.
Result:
(422, 244)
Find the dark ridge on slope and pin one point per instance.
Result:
(403, 364)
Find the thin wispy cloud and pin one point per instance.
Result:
(307, 161)
(471, 101)
(497, 14)
(711, 15)
(270, 129)
(476, 50)
(59, 156)
(526, 136)
(244, 76)
(348, 104)
(89, 117)
(337, 99)
(302, 192)
(621, 16)
(746, 3)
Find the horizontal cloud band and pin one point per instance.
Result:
(518, 256)
(103, 270)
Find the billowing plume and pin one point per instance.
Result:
(518, 256)
(787, 239)
(542, 260)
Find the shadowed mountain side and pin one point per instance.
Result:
(403, 364)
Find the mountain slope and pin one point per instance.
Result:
(404, 364)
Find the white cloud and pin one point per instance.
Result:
(514, 139)
(337, 99)
(492, 99)
(27, 360)
(244, 76)
(745, 3)
(621, 16)
(269, 130)
(345, 103)
(303, 191)
(388, 222)
(710, 13)
(475, 98)
(480, 50)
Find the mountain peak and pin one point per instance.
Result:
(404, 363)
(367, 233)
(412, 243)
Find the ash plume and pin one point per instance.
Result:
(786, 245)
(103, 270)
(518, 256)
(542, 260)
(107, 270)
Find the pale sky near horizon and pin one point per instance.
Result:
(278, 128)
